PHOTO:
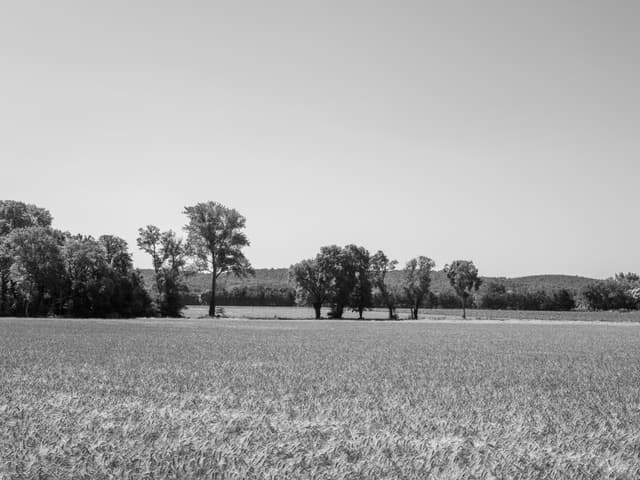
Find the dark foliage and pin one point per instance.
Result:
(47, 272)
(249, 297)
(611, 294)
(497, 297)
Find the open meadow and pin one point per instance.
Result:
(258, 399)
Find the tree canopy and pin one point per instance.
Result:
(215, 238)
(416, 283)
(312, 284)
(463, 276)
(168, 256)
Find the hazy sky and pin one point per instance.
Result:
(503, 132)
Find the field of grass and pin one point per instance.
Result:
(303, 313)
(258, 399)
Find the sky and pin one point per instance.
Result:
(503, 132)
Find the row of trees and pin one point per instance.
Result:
(44, 271)
(497, 295)
(349, 277)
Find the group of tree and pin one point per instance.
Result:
(498, 297)
(349, 277)
(169, 258)
(622, 292)
(44, 271)
(214, 243)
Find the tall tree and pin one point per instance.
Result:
(149, 241)
(381, 265)
(215, 237)
(416, 282)
(312, 284)
(463, 276)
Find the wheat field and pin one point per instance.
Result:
(236, 399)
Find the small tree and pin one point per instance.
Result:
(168, 255)
(216, 239)
(312, 284)
(361, 295)
(380, 267)
(149, 241)
(416, 283)
(463, 276)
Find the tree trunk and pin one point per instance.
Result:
(464, 309)
(3, 293)
(391, 315)
(317, 307)
(212, 301)
(360, 310)
(339, 310)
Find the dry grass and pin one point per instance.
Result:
(285, 399)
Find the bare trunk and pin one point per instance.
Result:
(360, 311)
(464, 308)
(317, 307)
(391, 314)
(212, 301)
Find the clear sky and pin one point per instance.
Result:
(499, 131)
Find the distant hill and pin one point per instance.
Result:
(279, 278)
(547, 282)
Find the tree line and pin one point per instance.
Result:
(45, 271)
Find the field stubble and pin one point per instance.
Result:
(298, 399)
